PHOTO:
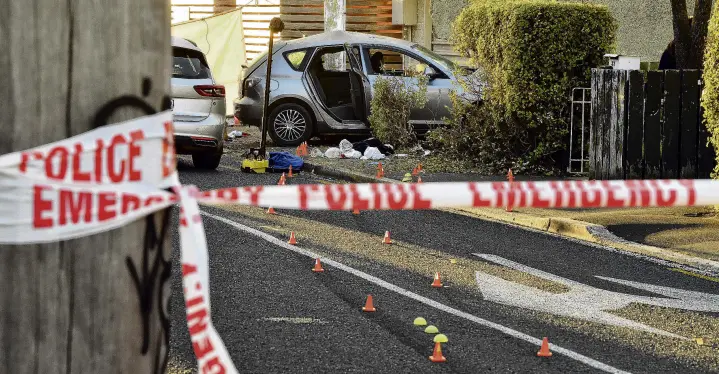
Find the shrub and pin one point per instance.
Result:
(533, 53)
(710, 97)
(392, 102)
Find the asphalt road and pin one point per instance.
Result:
(276, 316)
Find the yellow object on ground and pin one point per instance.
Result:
(440, 338)
(407, 177)
(221, 38)
(431, 329)
(419, 321)
(255, 166)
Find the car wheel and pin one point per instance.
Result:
(290, 124)
(206, 161)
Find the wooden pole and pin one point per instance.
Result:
(96, 304)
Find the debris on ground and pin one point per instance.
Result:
(385, 149)
(237, 134)
(372, 153)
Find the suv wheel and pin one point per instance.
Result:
(290, 124)
(206, 161)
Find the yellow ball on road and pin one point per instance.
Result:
(431, 329)
(440, 338)
(419, 321)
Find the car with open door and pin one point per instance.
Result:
(322, 85)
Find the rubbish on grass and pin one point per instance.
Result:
(281, 161)
(353, 154)
(333, 152)
(316, 152)
(401, 155)
(345, 146)
(385, 149)
(237, 134)
(372, 153)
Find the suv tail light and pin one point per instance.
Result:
(210, 91)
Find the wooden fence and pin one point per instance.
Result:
(648, 125)
(302, 18)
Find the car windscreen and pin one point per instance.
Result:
(189, 64)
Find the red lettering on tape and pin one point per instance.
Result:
(41, 206)
(77, 205)
(417, 201)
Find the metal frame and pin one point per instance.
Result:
(584, 157)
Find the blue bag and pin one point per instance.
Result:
(281, 161)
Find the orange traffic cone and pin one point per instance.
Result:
(368, 305)
(282, 180)
(437, 282)
(437, 353)
(544, 349)
(380, 171)
(419, 179)
(292, 240)
(271, 210)
(355, 211)
(387, 239)
(290, 175)
(415, 172)
(318, 266)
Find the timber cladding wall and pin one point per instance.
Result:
(306, 17)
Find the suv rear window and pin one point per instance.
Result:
(189, 64)
(296, 58)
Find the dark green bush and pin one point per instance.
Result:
(392, 101)
(710, 97)
(533, 53)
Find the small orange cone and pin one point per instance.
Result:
(387, 239)
(282, 180)
(292, 240)
(419, 179)
(290, 175)
(437, 353)
(271, 210)
(380, 171)
(544, 349)
(318, 266)
(415, 172)
(369, 305)
(437, 282)
(355, 211)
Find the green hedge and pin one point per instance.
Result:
(533, 53)
(710, 97)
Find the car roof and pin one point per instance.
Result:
(184, 43)
(341, 37)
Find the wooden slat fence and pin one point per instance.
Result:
(648, 125)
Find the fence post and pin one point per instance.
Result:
(75, 306)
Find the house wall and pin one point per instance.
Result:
(645, 26)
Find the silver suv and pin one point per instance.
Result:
(198, 106)
(323, 84)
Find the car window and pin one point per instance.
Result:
(393, 63)
(189, 64)
(445, 62)
(332, 58)
(295, 58)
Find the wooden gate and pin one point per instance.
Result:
(648, 126)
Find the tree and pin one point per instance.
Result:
(690, 35)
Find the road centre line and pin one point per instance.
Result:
(424, 300)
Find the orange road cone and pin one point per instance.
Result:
(544, 349)
(437, 353)
(356, 211)
(282, 180)
(419, 179)
(380, 171)
(437, 282)
(271, 210)
(368, 305)
(419, 167)
(387, 239)
(292, 240)
(290, 175)
(318, 266)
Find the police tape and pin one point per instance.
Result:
(106, 178)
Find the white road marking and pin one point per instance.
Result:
(586, 302)
(389, 286)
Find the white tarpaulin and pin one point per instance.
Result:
(221, 38)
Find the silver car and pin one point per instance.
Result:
(323, 84)
(198, 106)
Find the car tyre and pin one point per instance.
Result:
(206, 161)
(290, 124)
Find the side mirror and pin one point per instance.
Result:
(430, 72)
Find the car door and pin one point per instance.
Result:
(362, 94)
